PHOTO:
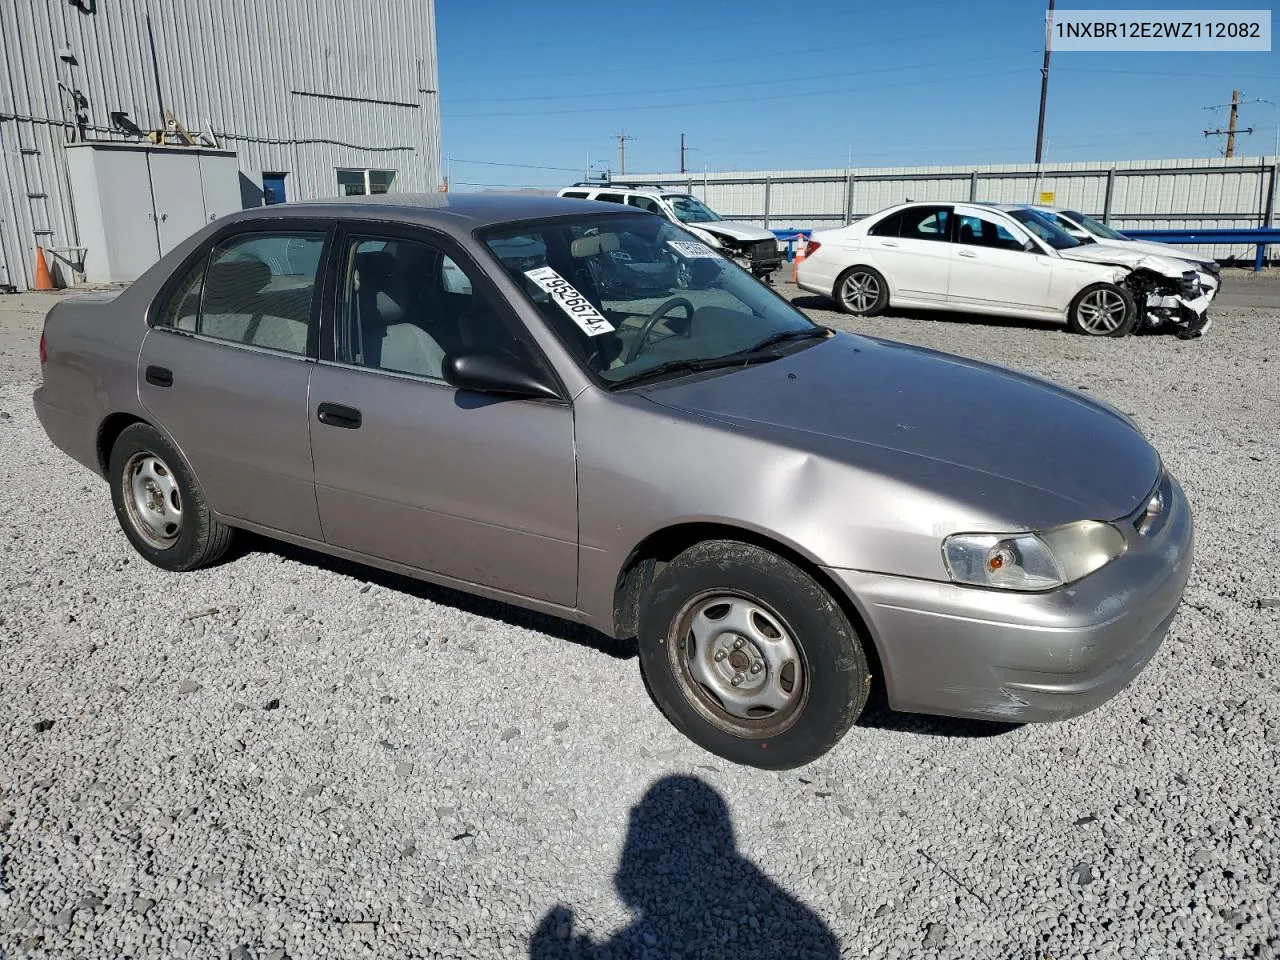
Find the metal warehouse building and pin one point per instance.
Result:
(207, 106)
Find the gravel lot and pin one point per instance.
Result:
(289, 756)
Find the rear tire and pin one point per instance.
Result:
(1096, 311)
(862, 291)
(749, 657)
(159, 505)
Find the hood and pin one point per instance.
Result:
(1153, 249)
(1011, 446)
(1126, 256)
(735, 230)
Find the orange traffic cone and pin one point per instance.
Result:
(43, 280)
(801, 243)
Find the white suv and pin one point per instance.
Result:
(752, 248)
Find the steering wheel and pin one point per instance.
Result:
(662, 310)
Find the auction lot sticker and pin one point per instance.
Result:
(692, 249)
(579, 308)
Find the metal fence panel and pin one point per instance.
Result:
(1164, 194)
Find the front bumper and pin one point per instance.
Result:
(989, 654)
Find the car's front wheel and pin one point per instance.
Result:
(158, 504)
(749, 657)
(1103, 310)
(862, 291)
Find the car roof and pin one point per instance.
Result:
(471, 210)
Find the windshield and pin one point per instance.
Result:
(1096, 228)
(628, 292)
(691, 210)
(1044, 228)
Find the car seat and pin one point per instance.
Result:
(401, 346)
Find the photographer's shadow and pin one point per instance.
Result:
(692, 893)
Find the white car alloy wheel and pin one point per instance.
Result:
(1102, 310)
(862, 291)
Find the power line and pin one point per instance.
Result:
(667, 105)
(523, 166)
(685, 65)
(770, 82)
(717, 28)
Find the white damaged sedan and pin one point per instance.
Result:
(1002, 260)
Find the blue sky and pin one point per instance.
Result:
(761, 85)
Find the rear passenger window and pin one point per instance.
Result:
(258, 290)
(888, 227)
(611, 197)
(927, 223)
(183, 307)
(646, 203)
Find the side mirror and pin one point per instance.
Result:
(1029, 246)
(487, 372)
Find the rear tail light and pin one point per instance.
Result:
(44, 351)
(811, 248)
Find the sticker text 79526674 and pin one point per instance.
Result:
(591, 321)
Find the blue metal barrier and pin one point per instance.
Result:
(1259, 237)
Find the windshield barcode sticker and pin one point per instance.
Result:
(692, 249)
(578, 307)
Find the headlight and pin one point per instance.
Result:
(1032, 561)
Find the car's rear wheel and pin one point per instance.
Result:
(158, 504)
(749, 657)
(1103, 310)
(862, 291)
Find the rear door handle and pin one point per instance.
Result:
(336, 415)
(888, 243)
(968, 253)
(160, 376)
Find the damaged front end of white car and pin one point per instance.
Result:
(1167, 293)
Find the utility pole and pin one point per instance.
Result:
(682, 153)
(622, 152)
(1044, 80)
(1231, 130)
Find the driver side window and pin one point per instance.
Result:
(405, 305)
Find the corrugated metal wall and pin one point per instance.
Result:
(1168, 194)
(296, 88)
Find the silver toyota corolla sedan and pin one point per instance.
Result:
(583, 410)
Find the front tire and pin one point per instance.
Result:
(862, 291)
(749, 657)
(159, 505)
(1103, 310)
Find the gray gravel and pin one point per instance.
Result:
(288, 756)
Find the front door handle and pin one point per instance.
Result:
(160, 376)
(968, 253)
(336, 415)
(888, 243)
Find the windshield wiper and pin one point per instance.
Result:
(753, 354)
(694, 366)
(782, 336)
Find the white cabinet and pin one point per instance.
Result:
(135, 202)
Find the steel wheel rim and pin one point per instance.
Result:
(861, 291)
(721, 636)
(1101, 311)
(152, 500)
